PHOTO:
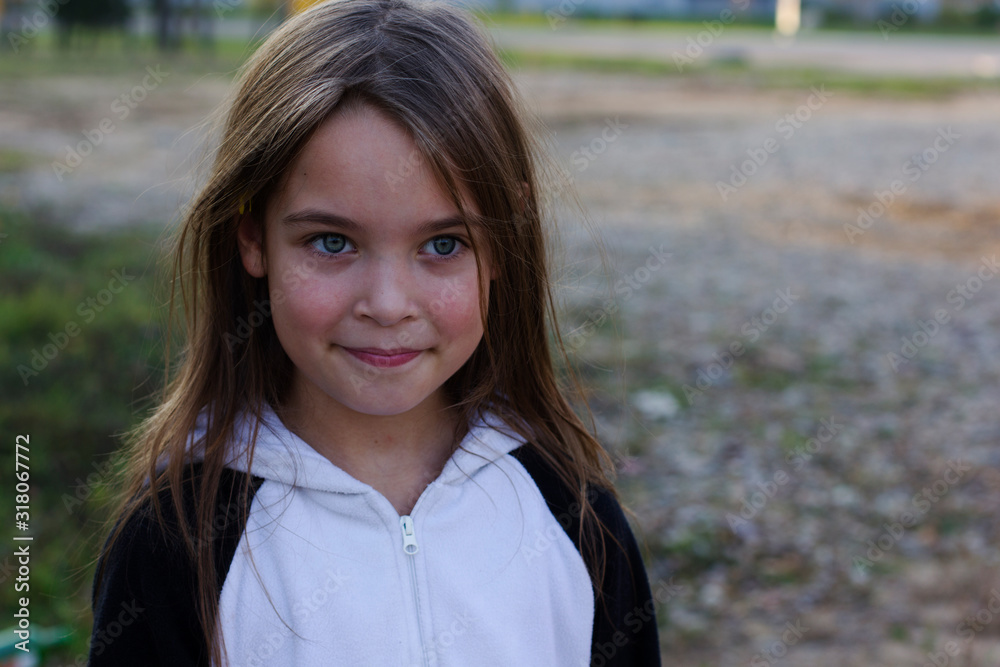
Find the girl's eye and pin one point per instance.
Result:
(443, 245)
(333, 244)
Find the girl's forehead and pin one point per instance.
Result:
(363, 166)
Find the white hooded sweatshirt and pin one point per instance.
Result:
(323, 571)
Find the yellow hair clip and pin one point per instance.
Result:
(245, 203)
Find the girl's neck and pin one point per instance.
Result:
(398, 455)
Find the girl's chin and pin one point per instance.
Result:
(383, 401)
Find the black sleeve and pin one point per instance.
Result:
(144, 609)
(629, 636)
(144, 606)
(625, 633)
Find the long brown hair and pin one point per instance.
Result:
(432, 70)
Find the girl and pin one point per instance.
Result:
(365, 457)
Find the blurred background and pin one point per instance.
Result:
(793, 353)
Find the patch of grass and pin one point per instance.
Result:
(953, 523)
(770, 379)
(72, 389)
(983, 22)
(828, 370)
(734, 71)
(788, 570)
(791, 440)
(12, 161)
(42, 57)
(517, 59)
(584, 19)
(696, 549)
(894, 86)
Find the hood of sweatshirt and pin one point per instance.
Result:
(282, 456)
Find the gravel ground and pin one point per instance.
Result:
(769, 436)
(739, 347)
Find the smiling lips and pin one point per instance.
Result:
(383, 358)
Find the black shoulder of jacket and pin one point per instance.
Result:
(144, 607)
(625, 632)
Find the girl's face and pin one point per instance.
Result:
(372, 280)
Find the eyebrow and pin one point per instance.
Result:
(310, 215)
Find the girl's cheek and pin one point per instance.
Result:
(454, 301)
(301, 271)
(312, 298)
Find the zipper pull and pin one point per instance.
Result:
(409, 537)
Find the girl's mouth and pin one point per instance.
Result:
(383, 358)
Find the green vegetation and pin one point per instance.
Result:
(13, 161)
(985, 21)
(694, 549)
(736, 73)
(79, 347)
(116, 57)
(41, 57)
(583, 18)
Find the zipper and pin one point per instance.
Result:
(410, 549)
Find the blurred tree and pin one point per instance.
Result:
(168, 35)
(202, 23)
(95, 15)
(174, 18)
(988, 15)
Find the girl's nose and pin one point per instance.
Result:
(386, 294)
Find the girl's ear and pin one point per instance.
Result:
(248, 237)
